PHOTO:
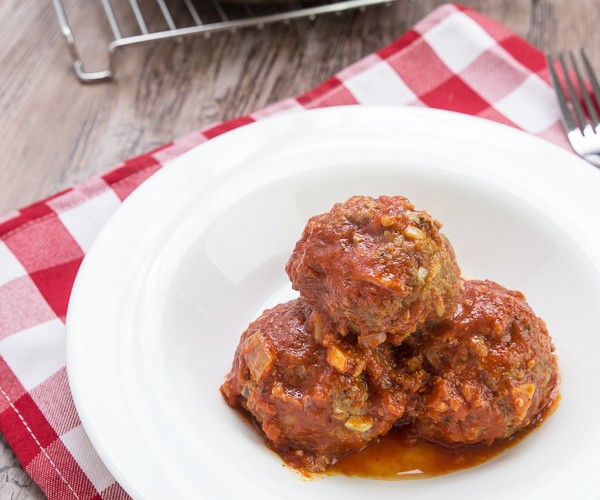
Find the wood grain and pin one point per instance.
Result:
(55, 131)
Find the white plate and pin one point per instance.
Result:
(199, 250)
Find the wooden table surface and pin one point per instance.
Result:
(55, 131)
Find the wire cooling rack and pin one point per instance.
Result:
(183, 18)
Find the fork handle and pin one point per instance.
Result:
(594, 159)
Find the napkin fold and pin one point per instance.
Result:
(455, 59)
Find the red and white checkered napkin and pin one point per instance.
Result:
(454, 59)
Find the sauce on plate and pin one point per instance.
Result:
(401, 454)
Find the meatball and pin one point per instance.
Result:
(313, 403)
(391, 375)
(376, 267)
(492, 368)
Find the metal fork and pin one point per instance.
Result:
(580, 121)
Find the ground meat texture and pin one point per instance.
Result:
(393, 378)
(492, 368)
(313, 403)
(376, 267)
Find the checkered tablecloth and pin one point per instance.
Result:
(454, 59)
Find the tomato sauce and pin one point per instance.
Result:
(400, 455)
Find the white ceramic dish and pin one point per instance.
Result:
(199, 251)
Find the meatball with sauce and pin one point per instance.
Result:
(492, 368)
(313, 403)
(376, 267)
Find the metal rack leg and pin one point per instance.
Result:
(78, 67)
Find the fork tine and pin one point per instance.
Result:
(573, 94)
(591, 110)
(591, 76)
(568, 121)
